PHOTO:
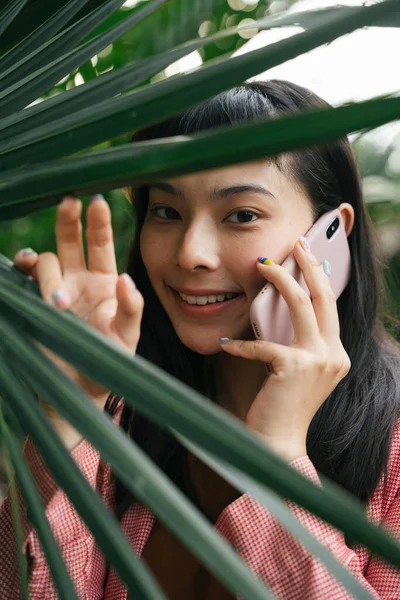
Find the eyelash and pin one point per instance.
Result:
(157, 208)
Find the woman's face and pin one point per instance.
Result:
(202, 236)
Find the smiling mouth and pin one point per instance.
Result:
(206, 300)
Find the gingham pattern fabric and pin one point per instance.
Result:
(274, 555)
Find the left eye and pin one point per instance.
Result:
(243, 216)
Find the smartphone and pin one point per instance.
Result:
(269, 313)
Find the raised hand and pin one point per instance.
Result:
(96, 293)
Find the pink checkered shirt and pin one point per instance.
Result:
(272, 553)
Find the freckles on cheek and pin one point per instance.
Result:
(150, 249)
(244, 269)
(156, 263)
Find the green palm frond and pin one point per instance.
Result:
(130, 464)
(276, 506)
(116, 548)
(8, 14)
(145, 106)
(163, 399)
(37, 168)
(10, 446)
(40, 35)
(62, 580)
(24, 91)
(42, 185)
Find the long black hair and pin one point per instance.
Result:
(349, 437)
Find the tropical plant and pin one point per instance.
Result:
(45, 153)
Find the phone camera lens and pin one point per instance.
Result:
(332, 228)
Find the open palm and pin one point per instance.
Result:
(94, 292)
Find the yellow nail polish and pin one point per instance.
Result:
(265, 261)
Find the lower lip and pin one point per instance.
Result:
(207, 310)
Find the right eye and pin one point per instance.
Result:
(170, 213)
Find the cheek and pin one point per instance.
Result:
(272, 244)
(261, 243)
(154, 253)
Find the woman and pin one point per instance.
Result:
(330, 404)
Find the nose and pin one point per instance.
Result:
(198, 247)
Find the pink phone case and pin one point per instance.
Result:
(269, 313)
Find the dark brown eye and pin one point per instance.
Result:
(243, 216)
(169, 214)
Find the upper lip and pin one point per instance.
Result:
(203, 292)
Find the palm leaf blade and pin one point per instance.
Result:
(117, 80)
(113, 543)
(58, 45)
(277, 507)
(41, 34)
(8, 14)
(310, 18)
(132, 466)
(62, 580)
(80, 98)
(116, 116)
(36, 187)
(105, 86)
(166, 400)
(20, 94)
(22, 564)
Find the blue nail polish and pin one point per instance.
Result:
(98, 197)
(28, 251)
(225, 340)
(265, 261)
(60, 298)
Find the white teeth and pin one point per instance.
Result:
(203, 300)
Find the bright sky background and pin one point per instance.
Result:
(355, 67)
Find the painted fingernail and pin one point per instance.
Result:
(60, 298)
(27, 251)
(265, 261)
(98, 197)
(327, 268)
(225, 340)
(304, 243)
(130, 283)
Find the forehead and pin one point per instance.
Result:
(260, 172)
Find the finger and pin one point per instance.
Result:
(322, 296)
(51, 281)
(26, 260)
(299, 304)
(128, 317)
(266, 352)
(100, 237)
(69, 235)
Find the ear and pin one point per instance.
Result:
(347, 212)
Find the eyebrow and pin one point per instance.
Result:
(233, 190)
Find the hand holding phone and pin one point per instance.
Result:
(269, 313)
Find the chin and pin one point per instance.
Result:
(207, 343)
(206, 348)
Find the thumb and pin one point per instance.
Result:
(266, 352)
(128, 317)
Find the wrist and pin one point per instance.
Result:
(69, 436)
(286, 448)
